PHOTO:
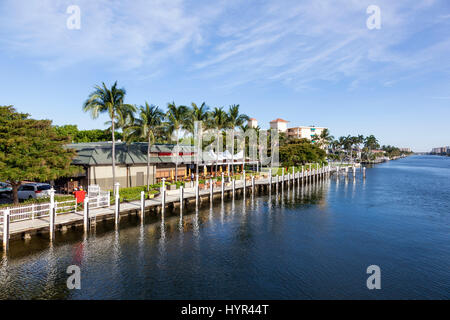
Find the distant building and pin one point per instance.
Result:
(252, 123)
(305, 132)
(441, 150)
(279, 124)
(405, 149)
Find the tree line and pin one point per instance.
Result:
(35, 150)
(151, 124)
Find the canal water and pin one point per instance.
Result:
(315, 242)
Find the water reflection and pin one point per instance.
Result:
(267, 245)
(162, 243)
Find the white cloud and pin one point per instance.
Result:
(234, 42)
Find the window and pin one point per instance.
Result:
(44, 187)
(26, 188)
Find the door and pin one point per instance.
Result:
(139, 179)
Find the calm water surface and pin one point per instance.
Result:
(308, 243)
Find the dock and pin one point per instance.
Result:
(179, 198)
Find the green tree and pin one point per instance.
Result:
(177, 118)
(235, 119)
(371, 143)
(359, 140)
(111, 101)
(125, 117)
(96, 135)
(31, 150)
(300, 152)
(69, 130)
(197, 114)
(145, 127)
(219, 121)
(324, 138)
(93, 135)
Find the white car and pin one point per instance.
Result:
(33, 191)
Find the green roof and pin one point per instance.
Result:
(99, 153)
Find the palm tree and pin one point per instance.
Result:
(176, 121)
(111, 101)
(371, 143)
(124, 118)
(324, 138)
(201, 114)
(348, 145)
(343, 145)
(145, 127)
(197, 114)
(359, 139)
(235, 120)
(219, 120)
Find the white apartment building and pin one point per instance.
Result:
(305, 132)
(279, 124)
(252, 123)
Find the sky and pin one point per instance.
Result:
(308, 62)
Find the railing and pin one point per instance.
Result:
(35, 210)
(39, 210)
(101, 200)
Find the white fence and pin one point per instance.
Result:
(101, 200)
(39, 210)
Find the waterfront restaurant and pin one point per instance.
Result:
(131, 164)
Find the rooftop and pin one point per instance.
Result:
(278, 120)
(306, 127)
(99, 153)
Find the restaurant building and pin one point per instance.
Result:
(131, 164)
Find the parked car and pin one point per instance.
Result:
(33, 191)
(5, 188)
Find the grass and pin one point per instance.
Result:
(134, 193)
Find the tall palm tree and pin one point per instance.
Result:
(324, 138)
(111, 101)
(218, 120)
(197, 114)
(334, 146)
(371, 143)
(235, 119)
(201, 114)
(124, 117)
(359, 139)
(343, 143)
(145, 127)
(177, 117)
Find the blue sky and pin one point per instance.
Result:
(309, 62)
